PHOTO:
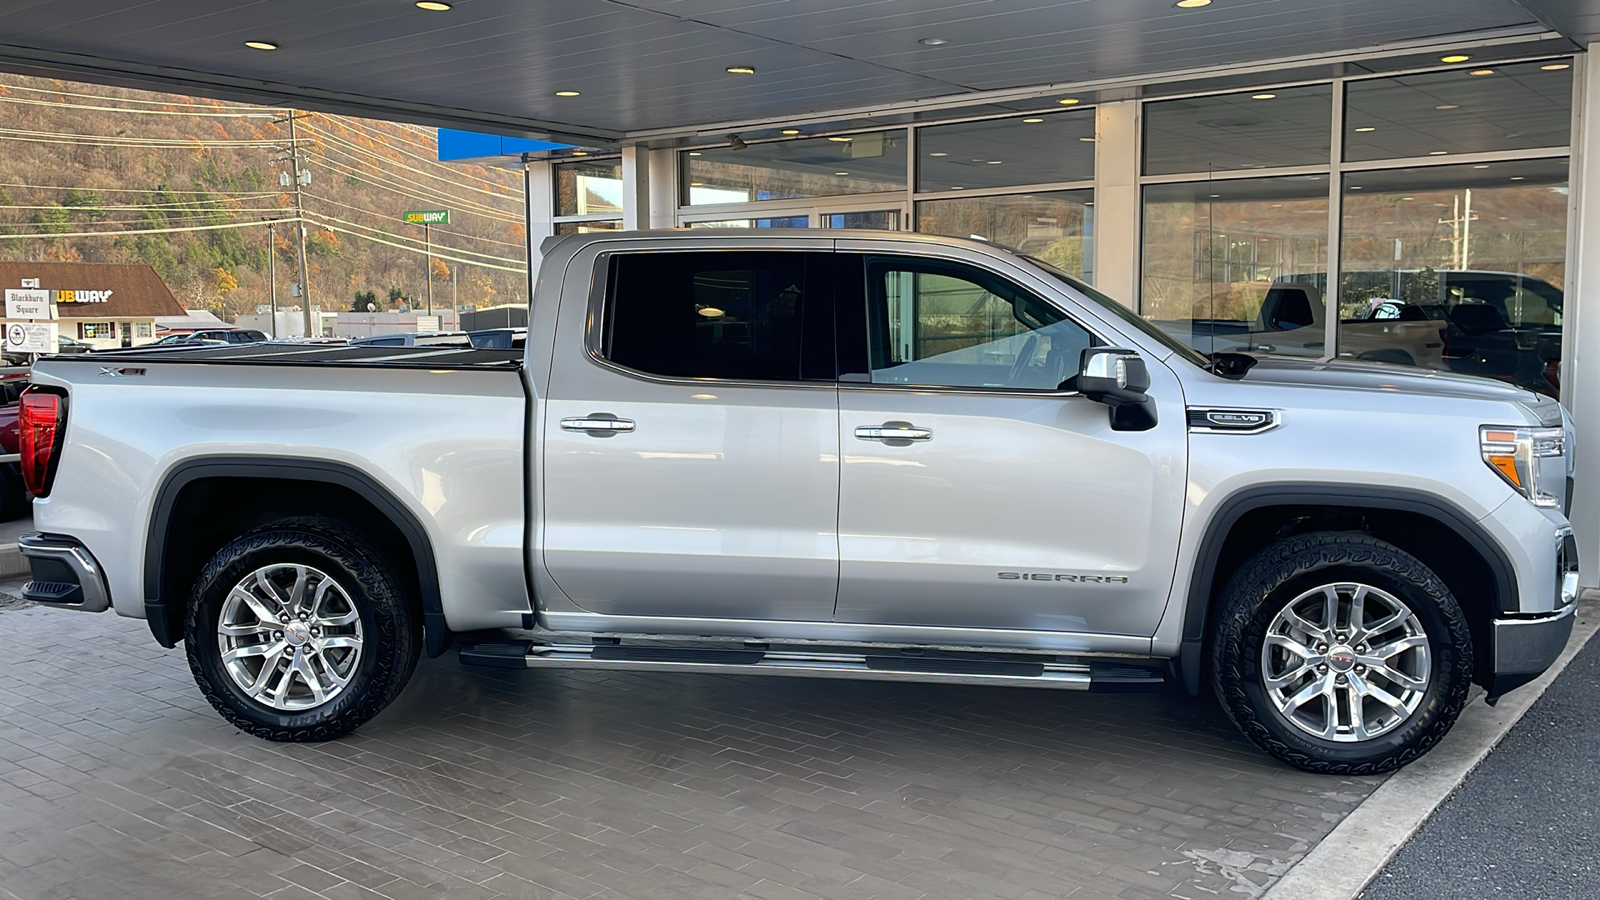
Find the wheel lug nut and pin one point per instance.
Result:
(1342, 679)
(1322, 667)
(1361, 670)
(277, 635)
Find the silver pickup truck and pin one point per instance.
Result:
(844, 455)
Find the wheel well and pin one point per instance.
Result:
(205, 513)
(1464, 569)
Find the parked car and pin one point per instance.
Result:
(64, 344)
(1291, 321)
(499, 338)
(422, 339)
(222, 335)
(13, 494)
(908, 458)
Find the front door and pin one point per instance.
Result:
(691, 454)
(976, 494)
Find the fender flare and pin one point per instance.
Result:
(180, 476)
(1197, 606)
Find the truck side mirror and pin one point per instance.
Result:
(1119, 379)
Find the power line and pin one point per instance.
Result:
(522, 268)
(469, 207)
(144, 112)
(206, 105)
(389, 162)
(399, 237)
(174, 230)
(59, 187)
(436, 229)
(353, 125)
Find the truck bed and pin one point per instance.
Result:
(313, 355)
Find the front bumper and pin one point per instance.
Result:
(1525, 647)
(65, 573)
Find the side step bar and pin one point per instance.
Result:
(882, 664)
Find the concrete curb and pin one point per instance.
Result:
(1355, 851)
(12, 562)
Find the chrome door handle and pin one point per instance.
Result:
(597, 425)
(893, 431)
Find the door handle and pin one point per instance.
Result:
(598, 425)
(890, 432)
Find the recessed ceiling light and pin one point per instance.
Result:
(1437, 152)
(957, 187)
(580, 153)
(740, 70)
(1262, 96)
(841, 173)
(261, 45)
(1032, 121)
(1069, 101)
(840, 138)
(939, 153)
(1555, 67)
(1447, 106)
(432, 5)
(566, 93)
(1455, 58)
(1481, 166)
(1366, 128)
(1277, 206)
(1191, 4)
(790, 131)
(932, 42)
(995, 162)
(1088, 139)
(1518, 177)
(1355, 187)
(1481, 72)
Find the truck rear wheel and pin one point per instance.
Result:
(297, 632)
(1339, 653)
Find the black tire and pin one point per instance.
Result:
(1270, 581)
(391, 631)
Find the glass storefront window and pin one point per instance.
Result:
(1249, 130)
(784, 170)
(1460, 268)
(589, 188)
(1055, 226)
(769, 222)
(588, 227)
(1039, 149)
(1518, 106)
(1232, 265)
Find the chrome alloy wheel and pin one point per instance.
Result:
(290, 637)
(1345, 662)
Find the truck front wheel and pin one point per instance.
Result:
(297, 631)
(1339, 653)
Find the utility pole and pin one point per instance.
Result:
(272, 277)
(427, 240)
(300, 225)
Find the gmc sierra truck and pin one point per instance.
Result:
(856, 455)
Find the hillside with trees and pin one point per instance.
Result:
(188, 184)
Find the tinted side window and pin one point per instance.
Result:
(737, 315)
(937, 323)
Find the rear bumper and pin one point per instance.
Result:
(65, 573)
(1524, 647)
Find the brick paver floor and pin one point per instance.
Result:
(118, 781)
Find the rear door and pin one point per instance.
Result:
(691, 437)
(974, 492)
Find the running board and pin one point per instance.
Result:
(882, 664)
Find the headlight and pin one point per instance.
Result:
(1529, 459)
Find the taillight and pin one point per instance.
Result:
(39, 427)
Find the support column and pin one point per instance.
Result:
(1116, 200)
(635, 188)
(663, 188)
(538, 208)
(1580, 359)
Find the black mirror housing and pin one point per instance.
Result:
(1120, 379)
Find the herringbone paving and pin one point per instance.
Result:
(118, 781)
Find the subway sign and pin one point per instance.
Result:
(83, 296)
(427, 217)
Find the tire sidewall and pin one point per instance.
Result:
(1245, 696)
(373, 593)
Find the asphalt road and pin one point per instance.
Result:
(1525, 824)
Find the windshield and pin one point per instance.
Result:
(1125, 314)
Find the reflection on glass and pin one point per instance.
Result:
(877, 220)
(589, 188)
(588, 227)
(1251, 130)
(1036, 149)
(771, 222)
(1511, 107)
(1458, 268)
(1055, 226)
(809, 167)
(1233, 265)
